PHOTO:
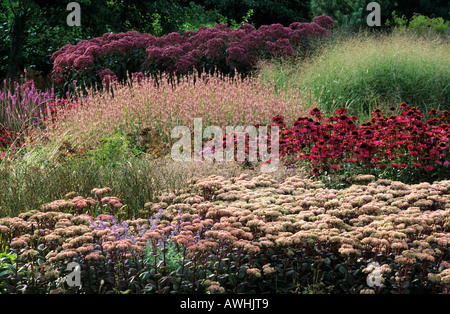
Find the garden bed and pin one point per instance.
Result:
(238, 235)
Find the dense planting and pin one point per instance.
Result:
(22, 108)
(238, 235)
(120, 56)
(365, 71)
(148, 111)
(408, 146)
(358, 203)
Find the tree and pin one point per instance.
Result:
(20, 14)
(37, 28)
(352, 13)
(265, 11)
(34, 29)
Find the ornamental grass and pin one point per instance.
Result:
(150, 109)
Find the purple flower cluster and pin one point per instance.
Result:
(324, 21)
(207, 48)
(22, 104)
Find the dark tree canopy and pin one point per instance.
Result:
(31, 30)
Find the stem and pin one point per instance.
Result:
(155, 255)
(164, 258)
(87, 271)
(219, 260)
(182, 269)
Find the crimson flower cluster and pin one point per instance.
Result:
(207, 48)
(405, 141)
(12, 140)
(50, 113)
(241, 144)
(6, 137)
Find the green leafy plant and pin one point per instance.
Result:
(348, 13)
(420, 24)
(112, 150)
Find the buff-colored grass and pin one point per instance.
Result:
(363, 71)
(219, 101)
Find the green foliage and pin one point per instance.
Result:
(420, 24)
(362, 72)
(352, 14)
(349, 13)
(46, 30)
(435, 8)
(265, 12)
(112, 150)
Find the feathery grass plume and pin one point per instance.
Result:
(363, 70)
(162, 106)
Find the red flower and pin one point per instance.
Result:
(315, 171)
(341, 111)
(428, 168)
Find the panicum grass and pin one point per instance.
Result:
(365, 71)
(26, 185)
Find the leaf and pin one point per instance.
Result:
(5, 272)
(232, 279)
(243, 288)
(342, 269)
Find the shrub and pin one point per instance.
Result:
(218, 48)
(420, 24)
